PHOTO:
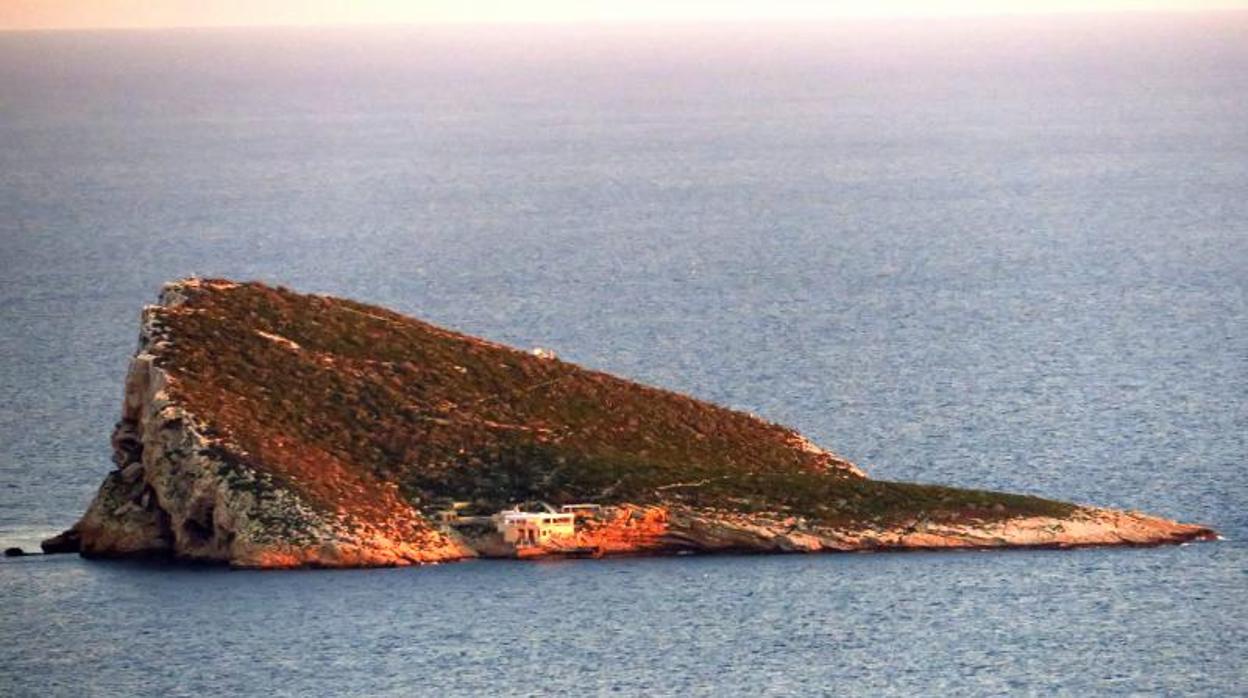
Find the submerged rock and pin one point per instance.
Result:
(265, 428)
(14, 552)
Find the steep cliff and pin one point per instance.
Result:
(266, 428)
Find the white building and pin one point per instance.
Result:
(524, 528)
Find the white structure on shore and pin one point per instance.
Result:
(525, 528)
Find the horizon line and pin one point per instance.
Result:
(909, 18)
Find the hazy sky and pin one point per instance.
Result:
(66, 14)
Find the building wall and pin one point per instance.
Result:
(536, 532)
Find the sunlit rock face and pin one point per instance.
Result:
(265, 428)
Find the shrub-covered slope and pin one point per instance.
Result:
(310, 385)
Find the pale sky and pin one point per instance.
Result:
(80, 14)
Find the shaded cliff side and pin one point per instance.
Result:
(266, 428)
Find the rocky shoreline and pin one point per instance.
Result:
(632, 530)
(185, 487)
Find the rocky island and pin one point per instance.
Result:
(266, 428)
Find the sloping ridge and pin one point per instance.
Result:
(266, 428)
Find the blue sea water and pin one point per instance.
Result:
(1007, 254)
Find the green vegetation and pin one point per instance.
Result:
(371, 397)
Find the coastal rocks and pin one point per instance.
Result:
(633, 529)
(264, 428)
(65, 542)
(179, 493)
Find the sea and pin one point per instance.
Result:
(1003, 253)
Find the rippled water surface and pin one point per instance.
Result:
(1000, 254)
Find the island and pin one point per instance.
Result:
(264, 428)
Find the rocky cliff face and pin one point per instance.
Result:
(180, 493)
(264, 428)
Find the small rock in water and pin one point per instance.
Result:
(14, 552)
